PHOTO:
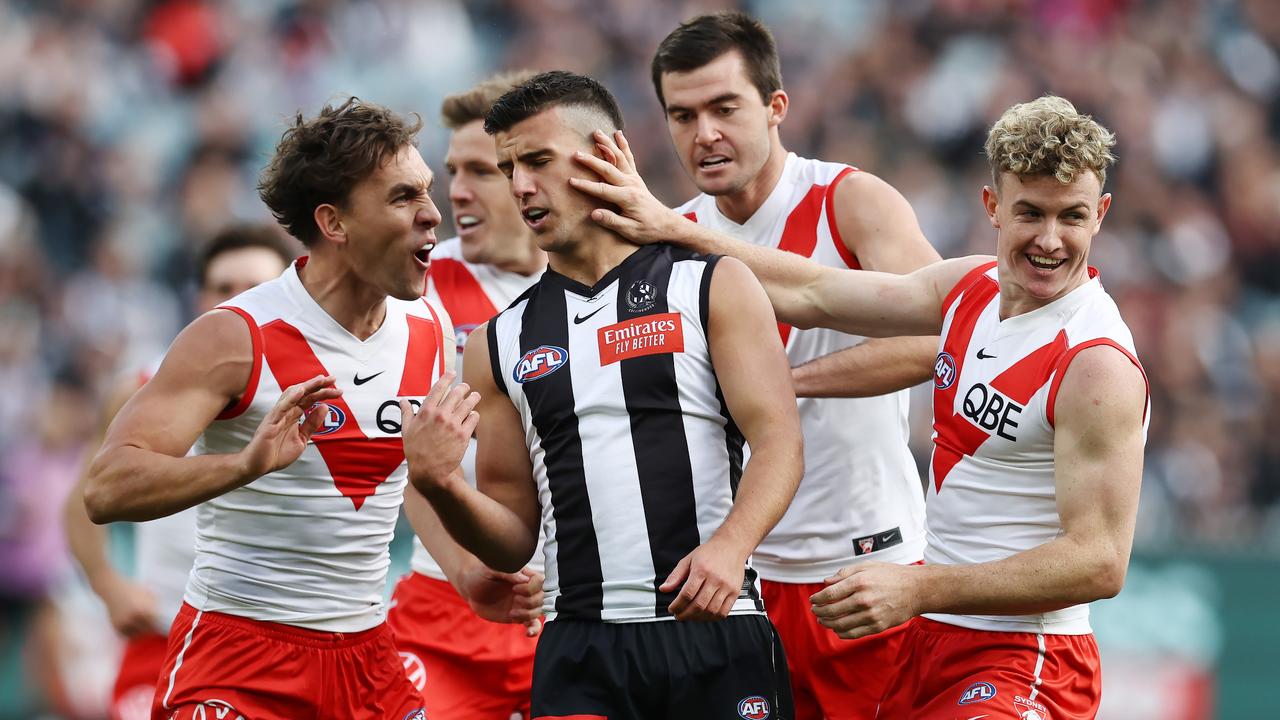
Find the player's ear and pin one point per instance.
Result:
(990, 200)
(777, 105)
(329, 222)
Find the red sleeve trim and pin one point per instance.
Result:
(850, 260)
(966, 282)
(1066, 359)
(439, 337)
(255, 336)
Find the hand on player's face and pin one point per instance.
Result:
(284, 433)
(640, 217)
(710, 580)
(865, 599)
(436, 436)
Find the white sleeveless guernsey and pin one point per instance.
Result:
(860, 497)
(471, 293)
(307, 545)
(992, 490)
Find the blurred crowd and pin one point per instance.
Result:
(132, 130)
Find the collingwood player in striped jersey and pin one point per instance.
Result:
(616, 394)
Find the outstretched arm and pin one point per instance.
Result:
(803, 293)
(752, 370)
(1098, 470)
(872, 367)
(143, 472)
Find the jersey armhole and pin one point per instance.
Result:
(704, 295)
(255, 337)
(495, 361)
(1061, 370)
(435, 319)
(969, 280)
(850, 260)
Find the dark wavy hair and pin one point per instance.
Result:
(319, 161)
(704, 38)
(557, 88)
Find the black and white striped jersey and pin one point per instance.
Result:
(634, 452)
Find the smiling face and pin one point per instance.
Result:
(389, 222)
(489, 223)
(1044, 230)
(536, 155)
(722, 129)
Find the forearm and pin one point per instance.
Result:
(88, 543)
(872, 367)
(482, 526)
(129, 483)
(1061, 573)
(768, 483)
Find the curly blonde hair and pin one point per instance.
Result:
(1047, 136)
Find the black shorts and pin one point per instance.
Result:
(732, 669)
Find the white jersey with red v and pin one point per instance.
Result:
(992, 491)
(860, 496)
(472, 293)
(307, 545)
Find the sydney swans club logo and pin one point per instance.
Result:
(648, 335)
(539, 363)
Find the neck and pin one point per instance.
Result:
(352, 303)
(1015, 301)
(595, 251)
(739, 206)
(526, 258)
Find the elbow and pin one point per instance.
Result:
(100, 502)
(1108, 580)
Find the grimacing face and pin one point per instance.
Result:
(1044, 229)
(536, 154)
(719, 124)
(488, 221)
(389, 222)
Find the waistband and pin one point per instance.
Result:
(281, 632)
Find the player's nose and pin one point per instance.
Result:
(708, 131)
(428, 215)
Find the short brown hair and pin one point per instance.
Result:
(1047, 136)
(471, 105)
(319, 161)
(245, 235)
(557, 88)
(704, 38)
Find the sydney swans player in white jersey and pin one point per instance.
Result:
(141, 610)
(467, 667)
(302, 389)
(1040, 413)
(613, 393)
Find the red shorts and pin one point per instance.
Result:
(830, 677)
(466, 667)
(135, 686)
(228, 667)
(949, 672)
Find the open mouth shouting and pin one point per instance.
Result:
(422, 256)
(713, 162)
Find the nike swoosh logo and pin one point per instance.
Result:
(887, 537)
(361, 381)
(981, 356)
(578, 319)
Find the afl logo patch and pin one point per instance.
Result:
(753, 708)
(944, 371)
(333, 422)
(977, 692)
(539, 363)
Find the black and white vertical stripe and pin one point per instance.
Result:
(637, 461)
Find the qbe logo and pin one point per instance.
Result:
(753, 708)
(944, 371)
(332, 422)
(978, 692)
(539, 363)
